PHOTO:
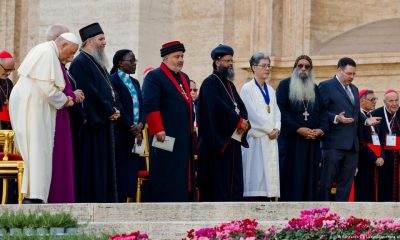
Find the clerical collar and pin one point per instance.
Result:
(387, 111)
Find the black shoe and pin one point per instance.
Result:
(32, 201)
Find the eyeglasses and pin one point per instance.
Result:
(372, 99)
(307, 66)
(194, 89)
(348, 74)
(6, 69)
(264, 66)
(227, 60)
(131, 61)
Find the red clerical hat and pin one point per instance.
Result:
(5, 54)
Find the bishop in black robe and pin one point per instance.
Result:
(95, 176)
(168, 105)
(299, 157)
(220, 158)
(364, 182)
(388, 174)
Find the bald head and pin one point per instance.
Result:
(7, 67)
(55, 30)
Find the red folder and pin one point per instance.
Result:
(4, 114)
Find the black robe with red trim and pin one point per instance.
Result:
(220, 158)
(171, 173)
(364, 181)
(388, 174)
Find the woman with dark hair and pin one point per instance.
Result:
(131, 123)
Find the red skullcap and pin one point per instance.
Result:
(147, 70)
(362, 92)
(5, 54)
(390, 91)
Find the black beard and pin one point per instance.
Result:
(227, 73)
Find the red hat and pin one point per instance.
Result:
(5, 54)
(362, 92)
(390, 91)
(147, 70)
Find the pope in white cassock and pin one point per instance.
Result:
(261, 159)
(33, 104)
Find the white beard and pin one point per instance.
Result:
(301, 90)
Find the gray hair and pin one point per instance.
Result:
(257, 57)
(55, 31)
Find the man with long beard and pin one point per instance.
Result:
(222, 121)
(302, 127)
(95, 179)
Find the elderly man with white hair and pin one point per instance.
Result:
(33, 105)
(389, 135)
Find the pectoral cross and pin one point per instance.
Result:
(183, 92)
(305, 114)
(236, 108)
(268, 109)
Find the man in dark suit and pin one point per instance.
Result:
(340, 146)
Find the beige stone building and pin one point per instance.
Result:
(366, 30)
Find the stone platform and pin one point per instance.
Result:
(170, 221)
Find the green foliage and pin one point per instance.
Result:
(64, 220)
(17, 220)
(43, 219)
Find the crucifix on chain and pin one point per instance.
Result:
(306, 114)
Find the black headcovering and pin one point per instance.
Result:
(220, 51)
(89, 31)
(171, 47)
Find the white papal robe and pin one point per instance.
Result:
(34, 101)
(261, 159)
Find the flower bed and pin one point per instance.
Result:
(130, 236)
(312, 224)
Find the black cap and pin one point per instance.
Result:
(171, 47)
(89, 31)
(220, 51)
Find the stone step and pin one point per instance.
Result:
(163, 230)
(172, 220)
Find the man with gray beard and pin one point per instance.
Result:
(302, 127)
(95, 179)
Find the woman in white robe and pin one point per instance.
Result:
(261, 159)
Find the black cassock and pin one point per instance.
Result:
(388, 174)
(364, 181)
(169, 110)
(93, 133)
(220, 158)
(299, 158)
(6, 87)
(127, 163)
